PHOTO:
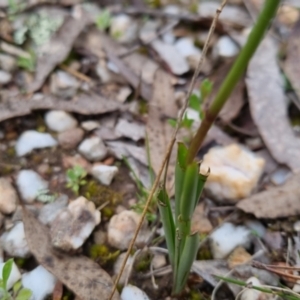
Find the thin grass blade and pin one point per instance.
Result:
(186, 260)
(167, 221)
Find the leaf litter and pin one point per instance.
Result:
(159, 131)
(82, 103)
(291, 64)
(276, 202)
(56, 50)
(268, 105)
(96, 55)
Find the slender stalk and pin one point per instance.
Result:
(234, 75)
(170, 146)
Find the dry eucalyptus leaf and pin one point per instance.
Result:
(268, 106)
(137, 69)
(277, 202)
(112, 48)
(292, 65)
(80, 274)
(56, 50)
(159, 131)
(85, 104)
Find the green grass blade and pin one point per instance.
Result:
(189, 192)
(179, 179)
(185, 261)
(181, 155)
(187, 203)
(201, 182)
(167, 221)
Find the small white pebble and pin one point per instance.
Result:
(90, 125)
(14, 241)
(30, 184)
(59, 121)
(40, 282)
(228, 237)
(31, 139)
(104, 174)
(225, 47)
(131, 292)
(93, 148)
(251, 294)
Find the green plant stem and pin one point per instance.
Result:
(234, 75)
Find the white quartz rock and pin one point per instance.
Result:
(59, 121)
(121, 229)
(14, 276)
(40, 282)
(104, 174)
(228, 237)
(251, 294)
(225, 47)
(14, 241)
(90, 125)
(74, 224)
(93, 148)
(124, 29)
(131, 292)
(8, 197)
(63, 84)
(31, 139)
(30, 184)
(171, 56)
(234, 172)
(186, 47)
(5, 77)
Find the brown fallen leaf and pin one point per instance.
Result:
(291, 65)
(83, 103)
(268, 106)
(277, 202)
(235, 102)
(56, 50)
(136, 69)
(131, 77)
(159, 131)
(80, 274)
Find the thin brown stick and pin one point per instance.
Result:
(75, 73)
(171, 144)
(293, 278)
